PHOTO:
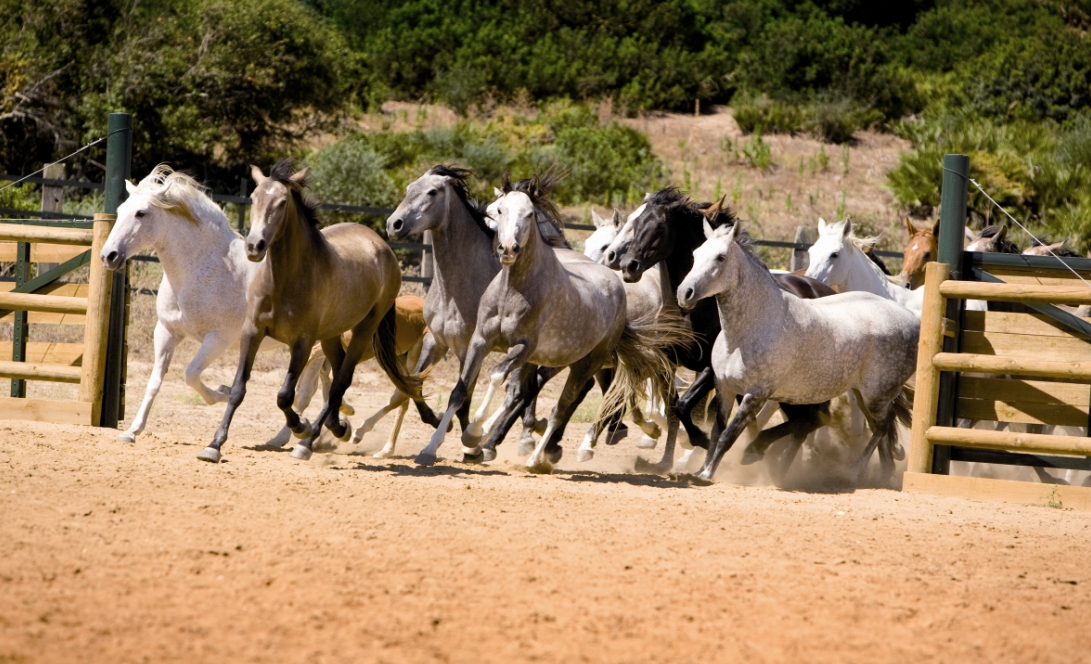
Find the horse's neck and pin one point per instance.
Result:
(680, 260)
(668, 294)
(752, 300)
(464, 259)
(865, 275)
(298, 243)
(186, 248)
(536, 264)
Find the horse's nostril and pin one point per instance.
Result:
(610, 256)
(689, 293)
(397, 224)
(261, 245)
(633, 266)
(111, 257)
(515, 248)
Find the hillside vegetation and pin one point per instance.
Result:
(218, 84)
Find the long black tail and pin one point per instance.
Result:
(385, 343)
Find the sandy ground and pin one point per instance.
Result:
(127, 553)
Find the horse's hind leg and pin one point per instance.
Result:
(580, 380)
(165, 343)
(212, 346)
(748, 408)
(248, 351)
(344, 363)
(698, 390)
(531, 423)
(301, 351)
(666, 462)
(313, 372)
(392, 439)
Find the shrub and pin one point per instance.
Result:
(764, 115)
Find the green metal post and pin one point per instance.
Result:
(119, 151)
(952, 229)
(21, 329)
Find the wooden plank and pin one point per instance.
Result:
(41, 253)
(96, 334)
(46, 303)
(1064, 349)
(46, 234)
(1009, 440)
(41, 410)
(926, 397)
(1021, 275)
(999, 491)
(54, 373)
(1012, 390)
(1014, 323)
(998, 364)
(48, 352)
(978, 290)
(1022, 412)
(41, 318)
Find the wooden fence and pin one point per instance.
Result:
(1028, 363)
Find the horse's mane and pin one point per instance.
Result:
(867, 245)
(305, 204)
(1006, 246)
(672, 197)
(459, 177)
(539, 189)
(175, 191)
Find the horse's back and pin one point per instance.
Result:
(360, 255)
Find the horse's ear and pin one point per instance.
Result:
(299, 177)
(130, 187)
(647, 195)
(596, 219)
(1057, 246)
(617, 219)
(910, 228)
(712, 211)
(935, 229)
(821, 226)
(709, 230)
(847, 229)
(970, 237)
(256, 175)
(496, 192)
(1002, 233)
(732, 231)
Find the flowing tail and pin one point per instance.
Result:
(903, 407)
(386, 353)
(639, 358)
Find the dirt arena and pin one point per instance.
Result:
(119, 552)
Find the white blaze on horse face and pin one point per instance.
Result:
(595, 246)
(826, 262)
(623, 239)
(514, 221)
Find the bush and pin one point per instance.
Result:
(836, 119)
(763, 115)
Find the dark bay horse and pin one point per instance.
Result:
(314, 285)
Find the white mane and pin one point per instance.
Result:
(177, 192)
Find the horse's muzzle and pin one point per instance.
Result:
(255, 251)
(113, 260)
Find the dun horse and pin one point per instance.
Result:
(313, 286)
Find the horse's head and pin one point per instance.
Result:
(273, 196)
(516, 218)
(709, 275)
(993, 240)
(428, 200)
(923, 248)
(647, 236)
(1044, 248)
(594, 247)
(158, 200)
(829, 255)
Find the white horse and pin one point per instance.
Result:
(838, 261)
(205, 277)
(777, 346)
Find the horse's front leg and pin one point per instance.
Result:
(165, 343)
(286, 397)
(460, 396)
(315, 371)
(344, 363)
(748, 408)
(698, 390)
(248, 350)
(515, 359)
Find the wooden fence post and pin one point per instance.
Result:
(119, 150)
(927, 384)
(800, 258)
(952, 229)
(97, 332)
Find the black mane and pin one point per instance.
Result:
(459, 177)
(306, 206)
(1005, 246)
(672, 197)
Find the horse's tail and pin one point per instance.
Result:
(639, 358)
(385, 342)
(903, 407)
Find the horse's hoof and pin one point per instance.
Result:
(127, 437)
(471, 437)
(617, 435)
(897, 451)
(525, 447)
(303, 430)
(654, 431)
(554, 455)
(643, 466)
(209, 454)
(647, 443)
(751, 456)
(425, 459)
(692, 480)
(487, 454)
(347, 435)
(301, 452)
(584, 455)
(382, 454)
(347, 410)
(539, 467)
(540, 426)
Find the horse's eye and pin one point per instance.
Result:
(835, 254)
(720, 258)
(140, 213)
(927, 255)
(432, 192)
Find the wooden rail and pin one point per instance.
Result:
(55, 373)
(21, 233)
(1009, 441)
(1025, 293)
(55, 304)
(995, 364)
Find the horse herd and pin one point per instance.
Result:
(676, 284)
